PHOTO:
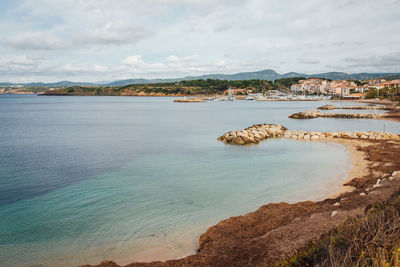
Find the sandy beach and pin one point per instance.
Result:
(358, 161)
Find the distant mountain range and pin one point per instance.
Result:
(266, 74)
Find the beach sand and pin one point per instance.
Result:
(358, 161)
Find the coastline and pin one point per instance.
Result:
(392, 115)
(165, 252)
(360, 168)
(359, 164)
(276, 230)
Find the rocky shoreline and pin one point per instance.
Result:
(258, 132)
(312, 114)
(377, 107)
(189, 100)
(393, 112)
(253, 134)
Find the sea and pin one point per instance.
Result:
(88, 179)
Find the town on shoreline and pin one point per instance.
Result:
(297, 88)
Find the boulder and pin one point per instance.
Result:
(309, 114)
(327, 107)
(239, 141)
(248, 139)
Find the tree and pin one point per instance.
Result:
(371, 93)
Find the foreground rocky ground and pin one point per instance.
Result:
(277, 231)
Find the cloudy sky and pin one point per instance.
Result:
(104, 40)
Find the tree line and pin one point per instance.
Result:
(186, 87)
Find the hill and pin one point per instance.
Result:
(267, 74)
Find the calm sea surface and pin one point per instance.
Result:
(86, 179)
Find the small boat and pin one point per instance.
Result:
(231, 96)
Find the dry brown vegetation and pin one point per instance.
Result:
(369, 240)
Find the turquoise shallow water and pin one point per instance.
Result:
(85, 179)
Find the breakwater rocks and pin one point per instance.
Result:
(377, 107)
(253, 134)
(312, 114)
(258, 132)
(189, 100)
(348, 135)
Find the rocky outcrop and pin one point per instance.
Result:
(307, 135)
(258, 132)
(312, 114)
(253, 134)
(308, 114)
(327, 107)
(376, 107)
(189, 100)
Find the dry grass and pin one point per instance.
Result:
(369, 240)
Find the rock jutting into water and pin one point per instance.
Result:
(253, 134)
(189, 100)
(312, 114)
(258, 132)
(377, 107)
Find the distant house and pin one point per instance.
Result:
(310, 85)
(391, 84)
(360, 89)
(376, 81)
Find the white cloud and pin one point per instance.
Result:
(112, 33)
(176, 59)
(99, 68)
(221, 63)
(308, 61)
(22, 60)
(108, 34)
(133, 60)
(35, 41)
(172, 58)
(88, 39)
(388, 62)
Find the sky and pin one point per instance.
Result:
(107, 40)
